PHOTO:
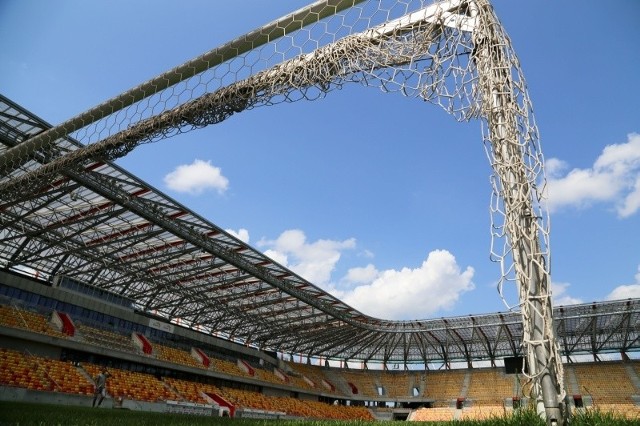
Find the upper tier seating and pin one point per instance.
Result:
(15, 317)
(606, 383)
(177, 356)
(444, 386)
(490, 387)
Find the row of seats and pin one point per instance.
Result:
(485, 387)
(443, 386)
(105, 338)
(17, 370)
(15, 317)
(445, 414)
(438, 414)
(34, 372)
(624, 410)
(313, 373)
(292, 406)
(176, 356)
(38, 373)
(605, 383)
(490, 387)
(397, 386)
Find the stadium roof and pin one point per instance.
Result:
(103, 226)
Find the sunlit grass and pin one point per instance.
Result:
(18, 414)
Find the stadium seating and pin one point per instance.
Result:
(606, 383)
(484, 390)
(16, 317)
(38, 373)
(190, 391)
(133, 385)
(105, 338)
(228, 367)
(444, 386)
(66, 377)
(397, 384)
(482, 412)
(490, 387)
(365, 382)
(314, 374)
(628, 411)
(438, 414)
(176, 356)
(17, 370)
(292, 406)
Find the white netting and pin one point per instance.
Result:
(520, 233)
(453, 53)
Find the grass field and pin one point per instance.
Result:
(12, 413)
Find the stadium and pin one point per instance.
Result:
(101, 270)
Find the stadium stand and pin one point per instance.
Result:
(175, 355)
(134, 385)
(312, 376)
(19, 372)
(607, 384)
(65, 377)
(444, 387)
(191, 391)
(438, 414)
(14, 316)
(397, 384)
(482, 412)
(167, 376)
(105, 338)
(490, 387)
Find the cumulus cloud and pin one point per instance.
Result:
(626, 291)
(561, 297)
(196, 177)
(362, 275)
(614, 178)
(631, 291)
(313, 261)
(241, 234)
(409, 293)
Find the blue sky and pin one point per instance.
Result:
(381, 199)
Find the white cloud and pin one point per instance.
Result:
(362, 274)
(625, 292)
(368, 254)
(614, 178)
(410, 293)
(241, 234)
(560, 296)
(196, 177)
(630, 291)
(313, 261)
(407, 293)
(631, 203)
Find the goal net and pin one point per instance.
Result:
(451, 53)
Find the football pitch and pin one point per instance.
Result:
(18, 414)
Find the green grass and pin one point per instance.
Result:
(17, 414)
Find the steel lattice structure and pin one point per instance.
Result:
(105, 227)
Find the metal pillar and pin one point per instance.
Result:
(500, 110)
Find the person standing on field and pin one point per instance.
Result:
(101, 387)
